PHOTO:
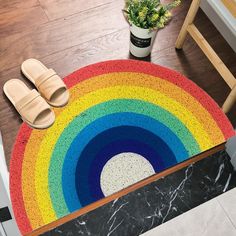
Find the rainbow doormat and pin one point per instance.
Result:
(125, 121)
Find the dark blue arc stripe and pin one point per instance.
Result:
(109, 143)
(105, 123)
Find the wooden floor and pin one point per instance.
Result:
(69, 34)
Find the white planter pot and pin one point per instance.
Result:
(141, 41)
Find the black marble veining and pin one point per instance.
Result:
(158, 202)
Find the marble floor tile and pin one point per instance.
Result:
(205, 220)
(228, 202)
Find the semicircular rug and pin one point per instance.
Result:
(125, 121)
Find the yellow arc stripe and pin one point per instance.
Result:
(89, 100)
(152, 82)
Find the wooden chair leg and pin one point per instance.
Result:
(212, 55)
(188, 20)
(230, 100)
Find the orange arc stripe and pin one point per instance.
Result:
(165, 87)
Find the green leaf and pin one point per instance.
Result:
(143, 13)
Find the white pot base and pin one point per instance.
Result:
(137, 52)
(141, 41)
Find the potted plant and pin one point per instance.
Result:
(145, 18)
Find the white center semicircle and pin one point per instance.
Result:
(123, 170)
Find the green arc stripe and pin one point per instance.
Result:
(89, 116)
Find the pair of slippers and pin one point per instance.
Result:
(33, 106)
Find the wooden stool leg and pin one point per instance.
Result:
(229, 102)
(188, 20)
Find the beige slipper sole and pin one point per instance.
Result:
(33, 109)
(48, 83)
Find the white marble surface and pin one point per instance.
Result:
(216, 217)
(228, 203)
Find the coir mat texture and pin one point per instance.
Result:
(125, 121)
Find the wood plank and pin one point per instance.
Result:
(114, 46)
(18, 19)
(230, 101)
(188, 20)
(10, 5)
(58, 35)
(125, 191)
(212, 56)
(58, 38)
(62, 8)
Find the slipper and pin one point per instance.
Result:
(48, 83)
(33, 109)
